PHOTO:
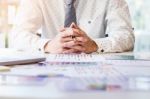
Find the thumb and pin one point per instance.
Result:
(73, 25)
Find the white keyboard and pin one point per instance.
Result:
(74, 58)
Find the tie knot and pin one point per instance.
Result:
(69, 2)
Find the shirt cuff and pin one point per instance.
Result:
(42, 44)
(104, 45)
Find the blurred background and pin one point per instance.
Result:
(8, 10)
(140, 12)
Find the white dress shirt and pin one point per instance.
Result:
(107, 22)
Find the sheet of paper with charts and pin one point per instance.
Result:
(76, 72)
(76, 76)
(79, 72)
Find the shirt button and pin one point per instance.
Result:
(106, 35)
(102, 50)
(89, 22)
(133, 29)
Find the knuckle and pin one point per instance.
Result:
(84, 39)
(74, 33)
(65, 44)
(79, 31)
(73, 50)
(72, 43)
(70, 31)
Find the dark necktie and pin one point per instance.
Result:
(70, 13)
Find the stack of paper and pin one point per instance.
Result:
(20, 57)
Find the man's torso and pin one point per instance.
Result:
(90, 16)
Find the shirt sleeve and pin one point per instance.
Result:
(28, 20)
(120, 36)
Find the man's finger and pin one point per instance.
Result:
(75, 39)
(79, 48)
(70, 51)
(69, 44)
(81, 39)
(79, 32)
(68, 32)
(66, 39)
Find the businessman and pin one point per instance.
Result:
(73, 26)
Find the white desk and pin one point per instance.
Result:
(48, 91)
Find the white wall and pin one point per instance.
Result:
(2, 40)
(140, 12)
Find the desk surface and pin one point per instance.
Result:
(48, 91)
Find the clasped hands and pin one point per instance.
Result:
(71, 40)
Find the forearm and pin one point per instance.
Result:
(26, 41)
(119, 29)
(27, 23)
(116, 43)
